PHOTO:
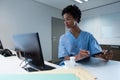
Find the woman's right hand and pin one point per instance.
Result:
(82, 54)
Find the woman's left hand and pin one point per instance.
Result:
(106, 55)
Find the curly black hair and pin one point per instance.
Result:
(74, 11)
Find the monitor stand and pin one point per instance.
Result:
(30, 69)
(35, 68)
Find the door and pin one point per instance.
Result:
(58, 29)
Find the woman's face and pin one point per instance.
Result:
(68, 20)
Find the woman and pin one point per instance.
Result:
(77, 42)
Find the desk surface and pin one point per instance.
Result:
(102, 70)
(13, 65)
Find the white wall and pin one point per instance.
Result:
(25, 16)
(103, 23)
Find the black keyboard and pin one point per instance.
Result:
(46, 67)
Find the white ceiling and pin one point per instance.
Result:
(60, 4)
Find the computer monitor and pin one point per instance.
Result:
(1, 46)
(30, 46)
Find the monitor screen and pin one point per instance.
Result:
(29, 45)
(1, 46)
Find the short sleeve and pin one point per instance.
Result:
(94, 47)
(62, 52)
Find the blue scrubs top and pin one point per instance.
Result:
(70, 46)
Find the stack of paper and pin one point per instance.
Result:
(79, 72)
(58, 74)
(44, 76)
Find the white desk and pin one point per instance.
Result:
(102, 70)
(12, 65)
